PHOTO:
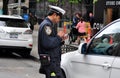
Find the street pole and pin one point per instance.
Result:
(19, 7)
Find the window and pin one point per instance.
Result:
(106, 42)
(13, 23)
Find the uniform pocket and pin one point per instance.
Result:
(44, 59)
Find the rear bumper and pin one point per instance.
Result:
(16, 44)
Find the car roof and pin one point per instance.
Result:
(11, 16)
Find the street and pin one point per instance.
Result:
(15, 66)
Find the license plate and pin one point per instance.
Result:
(13, 35)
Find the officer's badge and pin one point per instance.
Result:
(48, 30)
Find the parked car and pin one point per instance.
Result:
(15, 35)
(99, 58)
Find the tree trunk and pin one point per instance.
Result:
(5, 7)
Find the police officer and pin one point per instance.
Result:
(49, 43)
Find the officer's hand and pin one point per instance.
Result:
(61, 34)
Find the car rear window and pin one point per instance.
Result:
(7, 22)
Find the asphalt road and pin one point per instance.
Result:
(13, 65)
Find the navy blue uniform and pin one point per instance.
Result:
(49, 43)
(75, 21)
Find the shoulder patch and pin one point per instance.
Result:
(48, 30)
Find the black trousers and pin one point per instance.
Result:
(53, 67)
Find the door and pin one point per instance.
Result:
(115, 73)
(91, 66)
(116, 68)
(97, 63)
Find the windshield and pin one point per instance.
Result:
(7, 22)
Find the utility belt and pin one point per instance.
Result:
(45, 59)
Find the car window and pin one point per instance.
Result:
(6, 22)
(106, 42)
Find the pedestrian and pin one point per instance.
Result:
(91, 19)
(50, 42)
(81, 26)
(32, 20)
(75, 20)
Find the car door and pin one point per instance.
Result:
(91, 66)
(97, 63)
(116, 68)
(115, 73)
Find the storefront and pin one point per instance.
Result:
(112, 10)
(106, 11)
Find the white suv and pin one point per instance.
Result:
(99, 58)
(15, 35)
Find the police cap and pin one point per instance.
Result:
(57, 10)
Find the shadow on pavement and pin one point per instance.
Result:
(13, 55)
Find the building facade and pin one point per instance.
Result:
(18, 7)
(106, 11)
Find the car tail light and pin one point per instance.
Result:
(28, 32)
(30, 45)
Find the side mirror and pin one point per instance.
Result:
(82, 48)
